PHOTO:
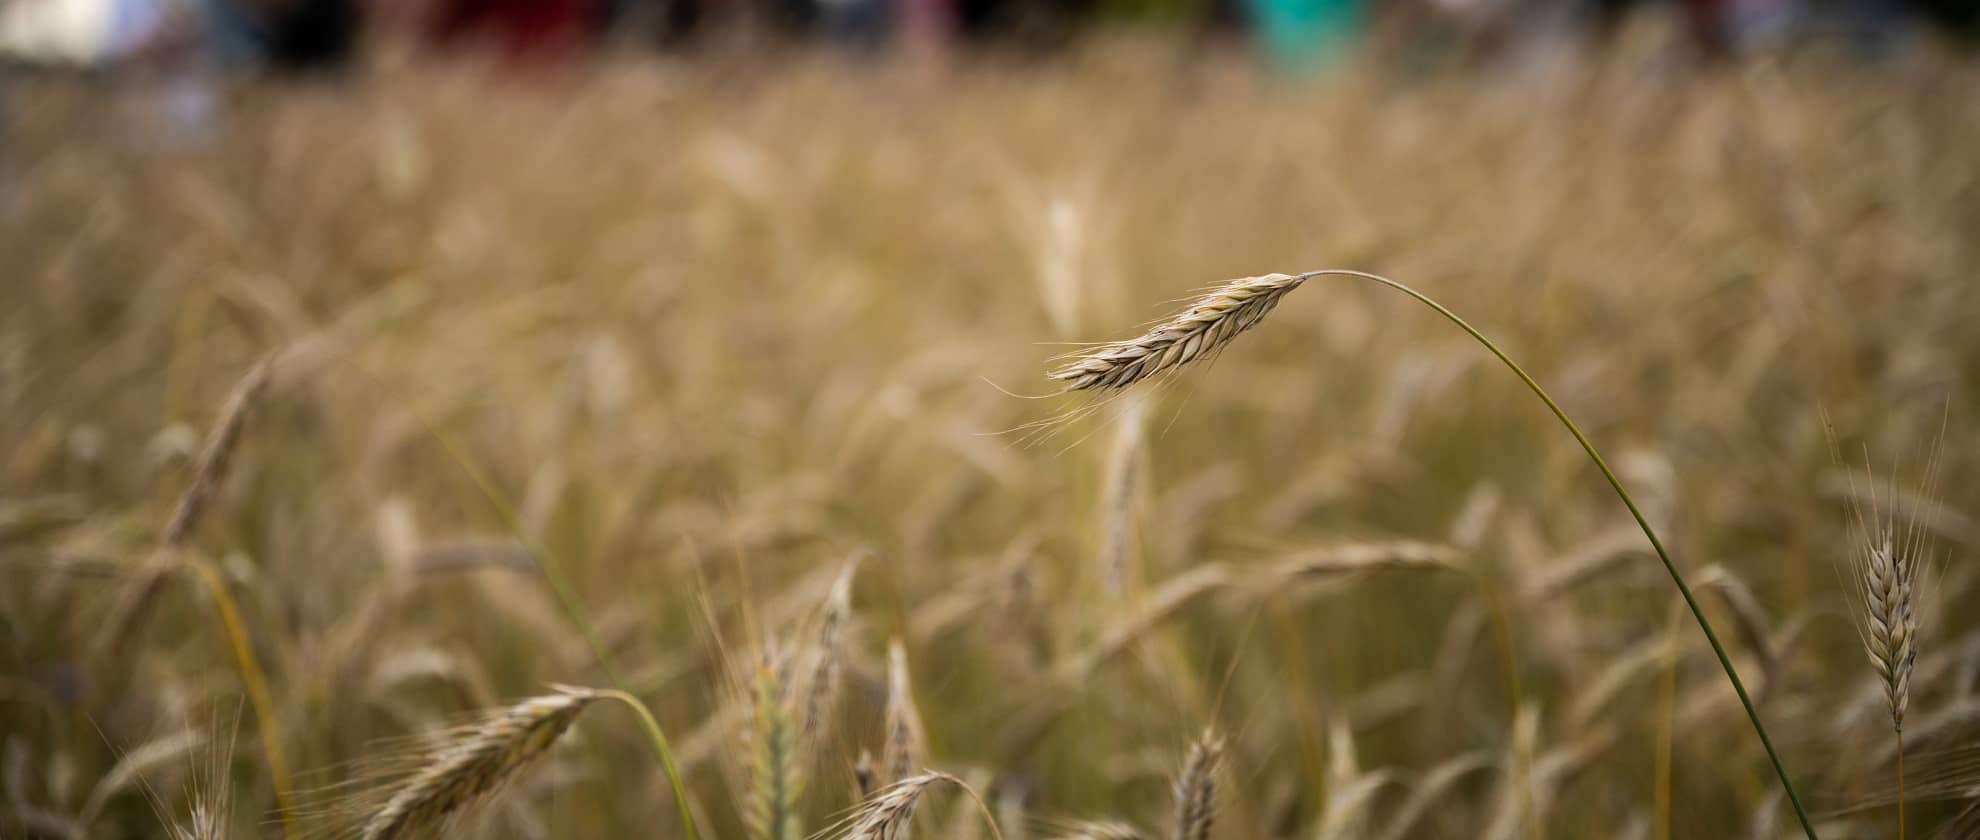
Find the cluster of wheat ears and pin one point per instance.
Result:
(418, 484)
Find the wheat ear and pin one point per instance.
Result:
(1209, 323)
(902, 750)
(1196, 788)
(216, 458)
(1214, 319)
(885, 816)
(218, 453)
(821, 682)
(134, 605)
(477, 764)
(1887, 577)
(1883, 577)
(775, 780)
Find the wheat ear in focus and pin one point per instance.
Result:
(1208, 324)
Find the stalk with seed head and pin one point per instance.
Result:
(1883, 581)
(1219, 316)
(477, 764)
(887, 814)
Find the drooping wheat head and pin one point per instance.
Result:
(1206, 326)
(887, 814)
(477, 764)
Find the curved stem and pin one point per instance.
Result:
(659, 740)
(257, 688)
(1684, 589)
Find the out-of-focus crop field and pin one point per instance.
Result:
(659, 348)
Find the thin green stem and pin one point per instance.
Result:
(257, 688)
(1684, 589)
(666, 753)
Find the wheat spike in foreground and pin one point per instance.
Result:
(1883, 575)
(886, 815)
(1196, 788)
(1884, 572)
(1887, 577)
(1208, 324)
(477, 764)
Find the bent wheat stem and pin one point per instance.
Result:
(1602, 465)
(256, 682)
(1220, 315)
(658, 738)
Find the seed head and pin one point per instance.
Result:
(1207, 325)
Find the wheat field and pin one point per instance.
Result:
(376, 458)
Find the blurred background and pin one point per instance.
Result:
(1294, 35)
(651, 316)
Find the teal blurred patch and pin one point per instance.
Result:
(1305, 36)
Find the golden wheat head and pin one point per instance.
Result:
(475, 765)
(1196, 788)
(887, 814)
(1887, 546)
(1207, 325)
(1886, 569)
(775, 781)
